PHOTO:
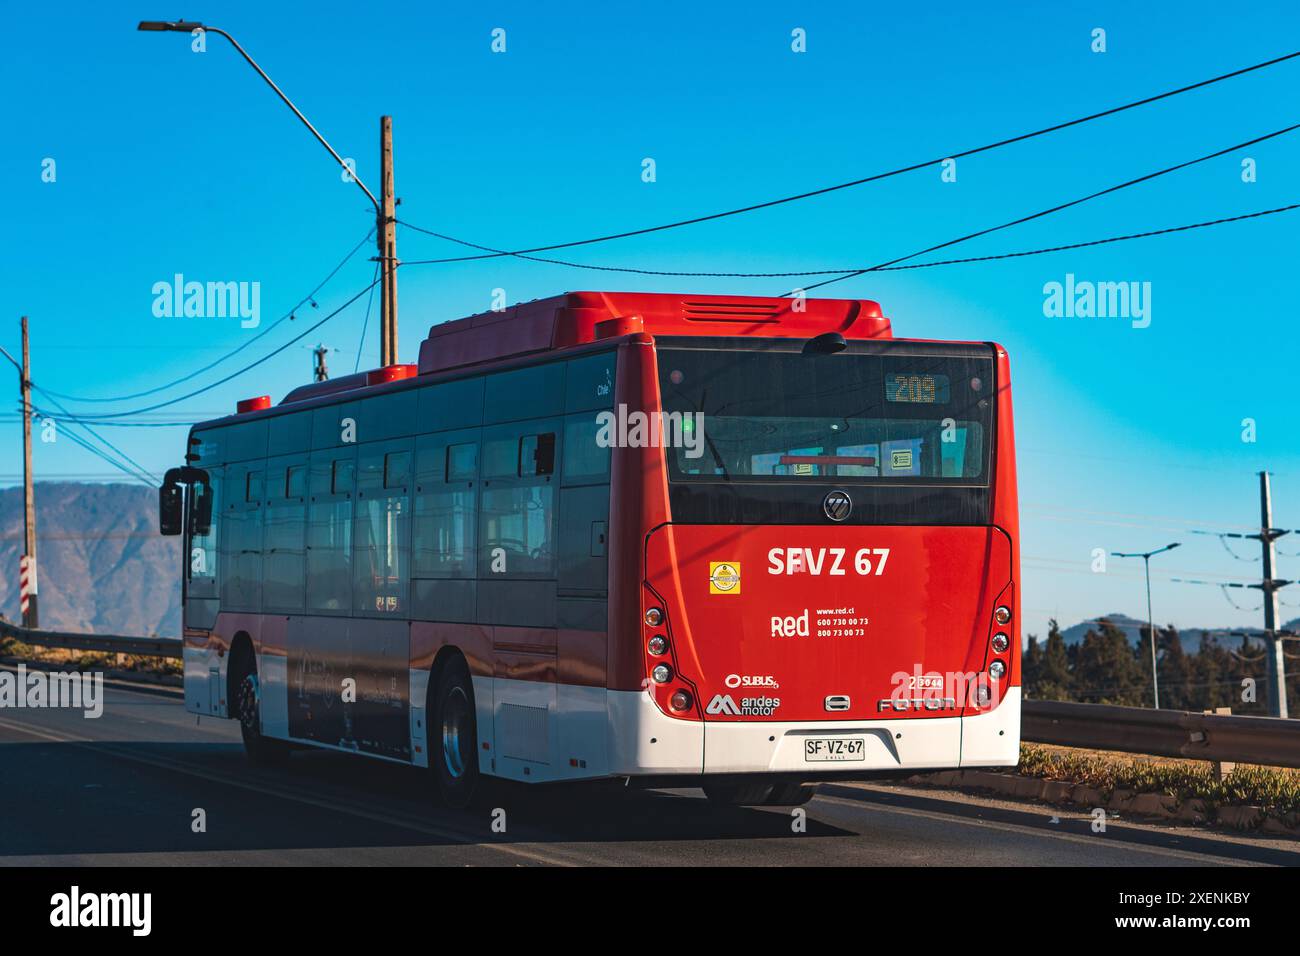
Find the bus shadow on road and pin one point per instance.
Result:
(88, 798)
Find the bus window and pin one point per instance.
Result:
(783, 416)
(462, 461)
(537, 454)
(295, 481)
(397, 469)
(586, 460)
(381, 533)
(202, 565)
(329, 534)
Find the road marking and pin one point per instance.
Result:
(1022, 829)
(89, 743)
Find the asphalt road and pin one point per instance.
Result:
(123, 789)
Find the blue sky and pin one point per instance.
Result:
(174, 161)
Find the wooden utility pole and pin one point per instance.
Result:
(28, 571)
(387, 235)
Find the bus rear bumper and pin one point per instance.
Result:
(645, 741)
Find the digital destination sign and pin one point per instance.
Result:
(917, 388)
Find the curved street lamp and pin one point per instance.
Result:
(1151, 628)
(383, 212)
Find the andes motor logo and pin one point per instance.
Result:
(726, 705)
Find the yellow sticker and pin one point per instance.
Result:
(724, 577)
(900, 460)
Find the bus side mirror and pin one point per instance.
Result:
(201, 510)
(170, 511)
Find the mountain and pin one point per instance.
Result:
(102, 566)
(1191, 638)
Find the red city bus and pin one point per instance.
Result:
(745, 544)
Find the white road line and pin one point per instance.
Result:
(1023, 829)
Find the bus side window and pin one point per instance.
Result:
(537, 455)
(517, 518)
(329, 532)
(381, 533)
(444, 518)
(202, 564)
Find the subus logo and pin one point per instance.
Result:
(751, 680)
(212, 300)
(1102, 300)
(638, 429)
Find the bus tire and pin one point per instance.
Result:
(791, 794)
(742, 793)
(454, 735)
(261, 751)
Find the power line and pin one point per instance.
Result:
(1123, 514)
(873, 178)
(857, 270)
(112, 461)
(310, 297)
(365, 324)
(236, 374)
(1223, 540)
(102, 440)
(1055, 209)
(140, 473)
(1228, 598)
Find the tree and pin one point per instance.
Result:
(1054, 680)
(1176, 690)
(1107, 669)
(1030, 665)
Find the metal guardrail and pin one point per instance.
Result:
(168, 647)
(1135, 730)
(1270, 741)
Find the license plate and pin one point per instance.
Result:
(817, 749)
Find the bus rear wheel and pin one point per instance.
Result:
(261, 751)
(737, 793)
(791, 794)
(454, 732)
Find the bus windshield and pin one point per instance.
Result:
(885, 416)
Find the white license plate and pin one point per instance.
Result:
(817, 749)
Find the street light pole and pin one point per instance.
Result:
(1151, 625)
(385, 220)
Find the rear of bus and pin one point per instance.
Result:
(826, 557)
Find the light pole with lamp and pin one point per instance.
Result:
(386, 222)
(1146, 560)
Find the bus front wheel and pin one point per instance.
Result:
(261, 751)
(454, 744)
